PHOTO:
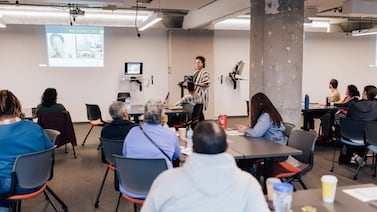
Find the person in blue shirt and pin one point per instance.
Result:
(137, 145)
(17, 137)
(266, 121)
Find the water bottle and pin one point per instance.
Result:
(306, 101)
(127, 101)
(189, 138)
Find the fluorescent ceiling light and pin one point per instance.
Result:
(57, 16)
(2, 23)
(318, 24)
(151, 20)
(362, 32)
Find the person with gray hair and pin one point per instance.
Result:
(208, 181)
(139, 141)
(120, 126)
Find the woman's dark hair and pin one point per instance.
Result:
(202, 59)
(353, 91)
(49, 97)
(334, 83)
(9, 104)
(259, 104)
(371, 91)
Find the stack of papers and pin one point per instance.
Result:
(233, 132)
(363, 194)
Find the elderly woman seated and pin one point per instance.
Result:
(139, 141)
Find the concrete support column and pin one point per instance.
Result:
(276, 54)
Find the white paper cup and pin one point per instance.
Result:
(328, 188)
(182, 133)
(270, 187)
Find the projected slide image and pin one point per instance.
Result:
(75, 46)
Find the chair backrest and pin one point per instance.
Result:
(60, 121)
(188, 108)
(122, 96)
(288, 128)
(370, 128)
(34, 169)
(111, 147)
(247, 108)
(136, 175)
(197, 112)
(304, 141)
(351, 129)
(93, 112)
(52, 134)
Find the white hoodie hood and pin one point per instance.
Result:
(211, 174)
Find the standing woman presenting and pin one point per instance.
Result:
(201, 80)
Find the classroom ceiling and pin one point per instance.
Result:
(348, 15)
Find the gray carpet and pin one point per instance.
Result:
(76, 181)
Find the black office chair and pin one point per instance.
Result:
(370, 128)
(94, 115)
(247, 108)
(32, 171)
(109, 147)
(304, 141)
(288, 128)
(122, 96)
(196, 117)
(136, 175)
(352, 133)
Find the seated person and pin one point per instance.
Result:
(266, 121)
(352, 94)
(334, 95)
(138, 145)
(208, 181)
(49, 102)
(191, 98)
(364, 109)
(119, 127)
(18, 137)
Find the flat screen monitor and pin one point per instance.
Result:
(133, 68)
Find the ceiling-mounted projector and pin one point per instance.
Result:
(76, 12)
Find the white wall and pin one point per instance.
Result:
(334, 55)
(23, 48)
(229, 48)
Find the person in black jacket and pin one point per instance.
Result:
(364, 109)
(120, 126)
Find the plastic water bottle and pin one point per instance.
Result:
(306, 101)
(127, 101)
(189, 138)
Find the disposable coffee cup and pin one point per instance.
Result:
(328, 188)
(282, 197)
(182, 133)
(270, 187)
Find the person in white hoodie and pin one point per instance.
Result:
(208, 181)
